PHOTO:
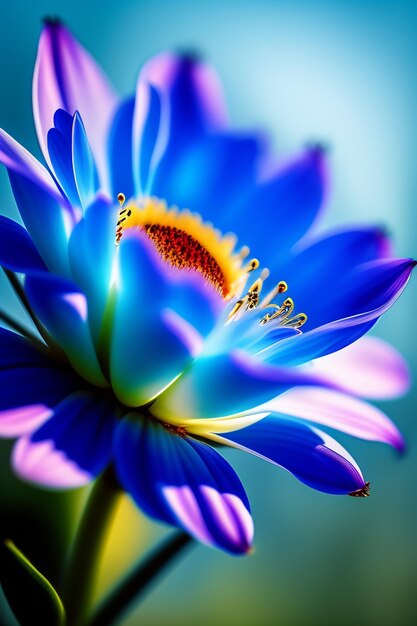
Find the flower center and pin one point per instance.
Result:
(184, 241)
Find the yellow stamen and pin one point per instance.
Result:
(184, 241)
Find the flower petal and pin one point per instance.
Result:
(72, 447)
(225, 384)
(91, 253)
(286, 205)
(63, 308)
(85, 172)
(340, 411)
(310, 455)
(179, 100)
(120, 150)
(30, 385)
(369, 367)
(146, 355)
(59, 141)
(17, 250)
(44, 210)
(66, 77)
(184, 482)
(17, 159)
(211, 176)
(336, 258)
(372, 290)
(41, 464)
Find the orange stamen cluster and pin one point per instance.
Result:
(181, 250)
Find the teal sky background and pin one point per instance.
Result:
(345, 73)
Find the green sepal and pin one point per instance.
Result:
(30, 595)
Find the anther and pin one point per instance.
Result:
(123, 215)
(281, 287)
(236, 308)
(281, 312)
(295, 322)
(252, 265)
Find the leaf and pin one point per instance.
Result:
(30, 595)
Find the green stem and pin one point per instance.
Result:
(92, 531)
(17, 287)
(139, 579)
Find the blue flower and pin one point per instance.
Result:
(165, 338)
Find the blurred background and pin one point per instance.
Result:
(344, 73)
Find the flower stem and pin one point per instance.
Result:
(92, 531)
(138, 580)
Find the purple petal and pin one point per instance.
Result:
(183, 482)
(23, 420)
(340, 411)
(30, 385)
(71, 447)
(17, 159)
(41, 464)
(310, 455)
(66, 77)
(17, 250)
(369, 367)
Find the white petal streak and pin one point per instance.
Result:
(340, 411)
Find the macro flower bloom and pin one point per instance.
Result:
(164, 338)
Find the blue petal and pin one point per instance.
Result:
(146, 354)
(322, 276)
(120, 150)
(63, 308)
(17, 250)
(16, 351)
(148, 136)
(372, 290)
(30, 385)
(72, 447)
(60, 153)
(45, 212)
(312, 456)
(178, 102)
(91, 251)
(85, 171)
(183, 482)
(276, 213)
(210, 177)
(225, 384)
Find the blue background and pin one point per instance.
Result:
(342, 72)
